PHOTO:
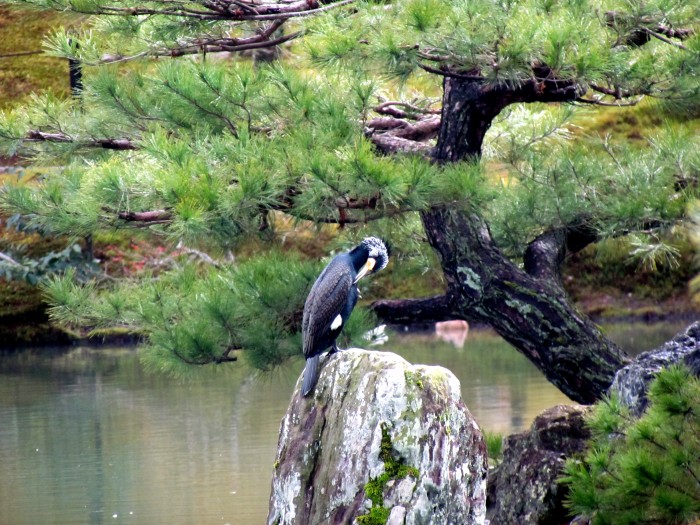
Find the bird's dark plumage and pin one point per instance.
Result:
(332, 299)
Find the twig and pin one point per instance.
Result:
(203, 256)
(664, 39)
(20, 54)
(9, 259)
(613, 104)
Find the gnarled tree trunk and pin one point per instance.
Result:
(527, 307)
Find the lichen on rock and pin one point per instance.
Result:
(379, 441)
(524, 487)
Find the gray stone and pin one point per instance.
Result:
(631, 382)
(523, 488)
(397, 516)
(330, 446)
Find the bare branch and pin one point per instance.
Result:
(389, 108)
(389, 144)
(599, 102)
(228, 10)
(446, 72)
(199, 254)
(8, 259)
(664, 39)
(424, 129)
(21, 54)
(680, 34)
(617, 93)
(155, 216)
(106, 143)
(411, 311)
(230, 45)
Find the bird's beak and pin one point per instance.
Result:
(369, 265)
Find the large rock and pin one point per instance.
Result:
(523, 488)
(378, 428)
(631, 382)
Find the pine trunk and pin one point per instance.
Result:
(530, 310)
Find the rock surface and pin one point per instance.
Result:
(632, 381)
(374, 413)
(523, 488)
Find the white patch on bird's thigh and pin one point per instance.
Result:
(336, 322)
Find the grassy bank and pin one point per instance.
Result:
(21, 75)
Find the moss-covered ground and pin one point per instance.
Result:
(21, 75)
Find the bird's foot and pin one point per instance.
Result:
(334, 349)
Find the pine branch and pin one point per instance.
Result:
(8, 259)
(642, 30)
(600, 102)
(60, 137)
(389, 108)
(231, 10)
(395, 134)
(21, 54)
(215, 45)
(424, 129)
(230, 125)
(154, 216)
(445, 71)
(389, 144)
(665, 39)
(618, 93)
(409, 311)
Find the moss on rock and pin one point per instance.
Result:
(394, 469)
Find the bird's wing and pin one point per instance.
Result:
(326, 300)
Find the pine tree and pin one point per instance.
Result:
(646, 470)
(444, 125)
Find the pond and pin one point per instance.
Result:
(86, 436)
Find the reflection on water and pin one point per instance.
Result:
(87, 437)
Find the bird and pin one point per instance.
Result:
(332, 299)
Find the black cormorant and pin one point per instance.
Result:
(332, 298)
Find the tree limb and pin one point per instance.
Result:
(389, 108)
(155, 216)
(617, 93)
(21, 54)
(411, 311)
(233, 11)
(424, 129)
(664, 39)
(8, 259)
(388, 144)
(598, 102)
(106, 143)
(218, 45)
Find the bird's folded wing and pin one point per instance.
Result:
(326, 300)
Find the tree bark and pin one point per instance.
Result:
(527, 307)
(531, 313)
(409, 311)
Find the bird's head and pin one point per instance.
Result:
(377, 256)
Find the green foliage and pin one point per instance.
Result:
(197, 316)
(225, 154)
(494, 446)
(618, 188)
(645, 470)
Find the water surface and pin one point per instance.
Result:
(87, 437)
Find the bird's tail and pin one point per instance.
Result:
(310, 375)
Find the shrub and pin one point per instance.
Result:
(645, 470)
